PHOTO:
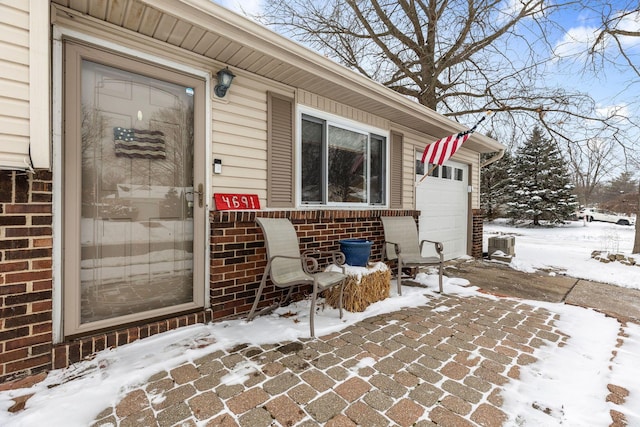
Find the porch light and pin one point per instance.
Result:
(224, 82)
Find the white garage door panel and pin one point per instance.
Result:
(443, 204)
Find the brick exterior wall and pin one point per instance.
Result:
(477, 218)
(238, 254)
(26, 242)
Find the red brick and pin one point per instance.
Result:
(28, 208)
(28, 231)
(28, 276)
(33, 362)
(27, 341)
(13, 266)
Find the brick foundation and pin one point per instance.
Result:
(476, 233)
(238, 255)
(26, 242)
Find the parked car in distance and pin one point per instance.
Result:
(593, 214)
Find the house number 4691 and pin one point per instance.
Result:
(230, 202)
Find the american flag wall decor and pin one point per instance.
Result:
(139, 144)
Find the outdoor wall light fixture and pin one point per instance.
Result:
(224, 82)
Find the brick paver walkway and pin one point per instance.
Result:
(443, 363)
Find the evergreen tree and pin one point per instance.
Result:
(539, 184)
(493, 182)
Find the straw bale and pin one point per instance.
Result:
(359, 294)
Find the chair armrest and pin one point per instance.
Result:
(337, 258)
(438, 245)
(396, 246)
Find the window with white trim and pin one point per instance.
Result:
(341, 164)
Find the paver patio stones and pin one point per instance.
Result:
(426, 394)
(205, 405)
(174, 414)
(364, 415)
(326, 407)
(247, 400)
(174, 396)
(388, 386)
(318, 380)
(405, 413)
(257, 417)
(462, 391)
(352, 389)
(281, 383)
(488, 416)
(444, 417)
(378, 400)
(184, 374)
(133, 402)
(457, 405)
(302, 393)
(285, 410)
(144, 418)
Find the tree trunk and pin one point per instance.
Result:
(636, 241)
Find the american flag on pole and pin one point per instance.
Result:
(139, 144)
(439, 152)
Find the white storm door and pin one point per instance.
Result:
(134, 232)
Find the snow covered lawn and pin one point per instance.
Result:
(567, 249)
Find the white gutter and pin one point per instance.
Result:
(492, 159)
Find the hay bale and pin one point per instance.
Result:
(361, 290)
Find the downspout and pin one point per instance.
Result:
(493, 159)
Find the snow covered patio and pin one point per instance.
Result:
(463, 358)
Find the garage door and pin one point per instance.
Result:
(443, 201)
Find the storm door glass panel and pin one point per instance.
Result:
(347, 164)
(136, 233)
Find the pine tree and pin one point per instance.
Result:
(539, 185)
(493, 182)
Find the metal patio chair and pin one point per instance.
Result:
(401, 244)
(287, 267)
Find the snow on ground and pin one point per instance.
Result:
(569, 382)
(567, 249)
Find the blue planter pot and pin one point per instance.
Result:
(356, 251)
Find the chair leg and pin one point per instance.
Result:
(313, 307)
(341, 294)
(258, 294)
(440, 278)
(399, 277)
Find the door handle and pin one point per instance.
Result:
(200, 194)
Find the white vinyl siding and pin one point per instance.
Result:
(329, 106)
(14, 84)
(239, 138)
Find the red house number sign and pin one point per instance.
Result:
(236, 202)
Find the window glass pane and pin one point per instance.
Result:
(446, 172)
(419, 167)
(377, 176)
(312, 165)
(347, 166)
(459, 174)
(435, 170)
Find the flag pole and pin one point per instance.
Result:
(487, 114)
(431, 169)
